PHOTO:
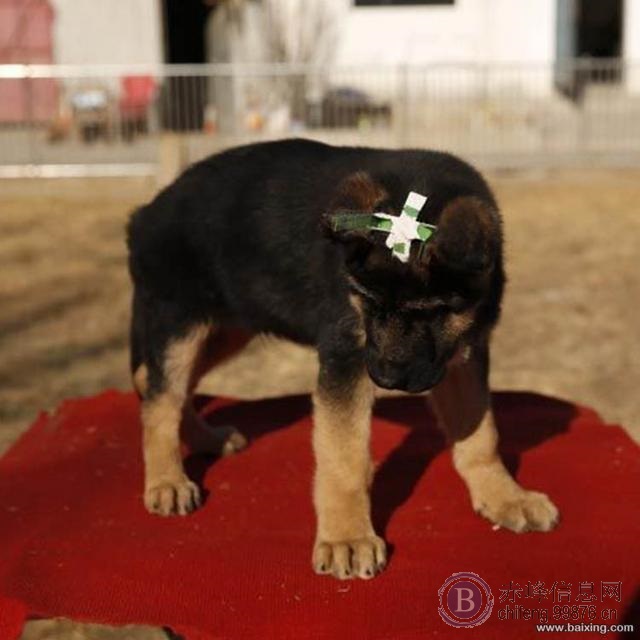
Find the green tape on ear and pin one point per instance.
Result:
(399, 247)
(410, 211)
(425, 231)
(352, 221)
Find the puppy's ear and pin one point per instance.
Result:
(469, 236)
(358, 193)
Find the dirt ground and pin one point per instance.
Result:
(569, 327)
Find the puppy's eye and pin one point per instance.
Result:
(431, 306)
(457, 304)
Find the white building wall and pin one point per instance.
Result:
(469, 31)
(107, 31)
(522, 32)
(631, 44)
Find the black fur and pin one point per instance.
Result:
(240, 240)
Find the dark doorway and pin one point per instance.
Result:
(185, 96)
(599, 28)
(184, 31)
(588, 44)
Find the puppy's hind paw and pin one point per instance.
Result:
(215, 441)
(233, 441)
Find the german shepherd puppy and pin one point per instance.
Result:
(244, 242)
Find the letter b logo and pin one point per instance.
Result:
(465, 600)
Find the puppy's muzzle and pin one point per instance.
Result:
(401, 377)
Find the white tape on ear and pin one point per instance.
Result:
(415, 201)
(404, 228)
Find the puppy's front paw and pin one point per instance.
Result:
(522, 511)
(359, 558)
(178, 497)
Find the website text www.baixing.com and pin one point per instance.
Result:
(568, 627)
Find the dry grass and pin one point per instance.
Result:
(64, 291)
(569, 325)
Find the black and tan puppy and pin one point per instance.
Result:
(245, 241)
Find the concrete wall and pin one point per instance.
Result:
(107, 31)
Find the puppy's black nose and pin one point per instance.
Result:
(389, 375)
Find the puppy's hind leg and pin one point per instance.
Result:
(200, 437)
(164, 381)
(165, 372)
(214, 441)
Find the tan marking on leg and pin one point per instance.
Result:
(462, 404)
(167, 488)
(140, 382)
(168, 491)
(346, 544)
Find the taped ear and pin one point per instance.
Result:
(469, 235)
(359, 194)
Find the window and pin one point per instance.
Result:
(400, 3)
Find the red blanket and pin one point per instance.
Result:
(76, 541)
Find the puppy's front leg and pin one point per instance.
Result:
(346, 544)
(462, 403)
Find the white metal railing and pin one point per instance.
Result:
(61, 119)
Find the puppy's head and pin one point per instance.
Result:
(418, 315)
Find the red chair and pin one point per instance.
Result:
(137, 96)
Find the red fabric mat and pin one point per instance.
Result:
(76, 541)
